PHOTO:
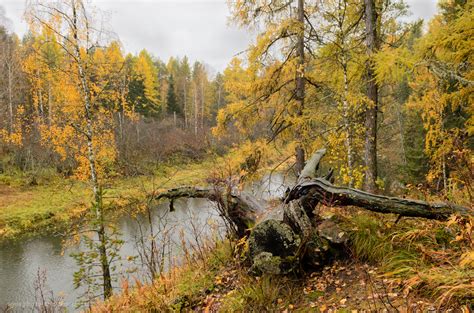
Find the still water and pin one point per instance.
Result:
(21, 262)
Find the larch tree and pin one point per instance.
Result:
(282, 47)
(144, 95)
(172, 104)
(443, 87)
(340, 62)
(218, 94)
(201, 95)
(237, 85)
(183, 79)
(372, 45)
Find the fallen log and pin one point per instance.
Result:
(328, 194)
(313, 190)
(321, 240)
(238, 209)
(301, 238)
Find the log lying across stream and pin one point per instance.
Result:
(274, 245)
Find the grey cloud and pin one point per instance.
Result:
(198, 29)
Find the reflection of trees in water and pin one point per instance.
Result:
(176, 237)
(165, 239)
(272, 185)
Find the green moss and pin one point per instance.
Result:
(266, 263)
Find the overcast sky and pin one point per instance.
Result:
(196, 28)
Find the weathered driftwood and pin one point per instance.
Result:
(320, 240)
(313, 190)
(239, 210)
(310, 169)
(323, 191)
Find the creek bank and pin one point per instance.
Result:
(54, 208)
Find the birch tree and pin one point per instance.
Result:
(73, 26)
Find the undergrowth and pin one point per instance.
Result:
(218, 271)
(262, 294)
(434, 259)
(182, 287)
(414, 258)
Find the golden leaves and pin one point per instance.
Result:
(58, 100)
(146, 72)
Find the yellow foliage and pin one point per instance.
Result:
(146, 72)
(59, 102)
(443, 88)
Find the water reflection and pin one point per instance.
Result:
(191, 221)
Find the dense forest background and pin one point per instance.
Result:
(304, 83)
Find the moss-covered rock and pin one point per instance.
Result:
(266, 263)
(275, 237)
(272, 248)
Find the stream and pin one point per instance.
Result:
(21, 262)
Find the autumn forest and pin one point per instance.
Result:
(327, 168)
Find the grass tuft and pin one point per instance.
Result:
(432, 258)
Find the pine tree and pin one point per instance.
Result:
(172, 103)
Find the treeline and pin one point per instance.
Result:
(392, 101)
(146, 109)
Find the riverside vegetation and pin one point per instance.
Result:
(90, 134)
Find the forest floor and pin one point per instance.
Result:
(52, 202)
(345, 286)
(410, 266)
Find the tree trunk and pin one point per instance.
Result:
(10, 97)
(372, 95)
(401, 129)
(41, 114)
(347, 123)
(195, 110)
(89, 134)
(50, 104)
(300, 87)
(202, 103)
(219, 92)
(184, 105)
(238, 209)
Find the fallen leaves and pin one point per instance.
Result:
(348, 287)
